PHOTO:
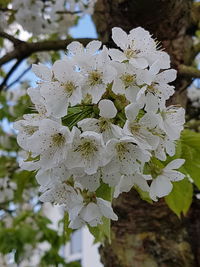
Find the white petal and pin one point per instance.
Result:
(120, 37)
(161, 186)
(117, 55)
(107, 109)
(75, 47)
(140, 63)
(90, 212)
(106, 209)
(167, 76)
(174, 175)
(132, 111)
(175, 164)
(93, 47)
(42, 71)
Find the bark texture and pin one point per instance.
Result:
(151, 235)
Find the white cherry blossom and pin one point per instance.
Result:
(161, 185)
(104, 124)
(143, 130)
(87, 151)
(64, 90)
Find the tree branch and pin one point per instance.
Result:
(24, 50)
(18, 78)
(14, 67)
(14, 40)
(188, 71)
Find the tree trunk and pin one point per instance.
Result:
(151, 235)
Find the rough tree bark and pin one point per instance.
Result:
(151, 235)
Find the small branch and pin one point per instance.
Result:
(189, 71)
(14, 67)
(10, 38)
(19, 78)
(69, 12)
(6, 9)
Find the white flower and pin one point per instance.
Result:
(134, 46)
(125, 82)
(128, 181)
(125, 157)
(64, 90)
(80, 53)
(39, 102)
(92, 214)
(65, 195)
(87, 151)
(142, 131)
(165, 146)
(157, 89)
(48, 177)
(172, 120)
(51, 142)
(104, 124)
(43, 72)
(26, 128)
(161, 185)
(98, 74)
(90, 182)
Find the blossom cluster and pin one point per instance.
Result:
(46, 17)
(102, 119)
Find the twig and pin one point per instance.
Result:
(189, 71)
(19, 78)
(14, 40)
(69, 12)
(14, 67)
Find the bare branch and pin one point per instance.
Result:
(18, 78)
(188, 71)
(6, 9)
(14, 67)
(24, 50)
(14, 40)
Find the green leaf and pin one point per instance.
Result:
(104, 191)
(190, 146)
(102, 231)
(143, 195)
(180, 199)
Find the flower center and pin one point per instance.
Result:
(58, 139)
(30, 130)
(130, 53)
(95, 78)
(127, 79)
(104, 124)
(69, 88)
(134, 128)
(121, 149)
(87, 148)
(152, 89)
